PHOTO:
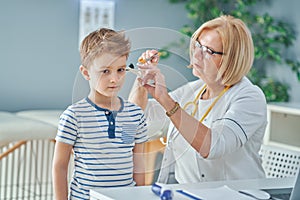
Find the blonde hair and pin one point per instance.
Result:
(237, 44)
(102, 41)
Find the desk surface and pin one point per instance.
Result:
(145, 193)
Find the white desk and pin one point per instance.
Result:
(145, 193)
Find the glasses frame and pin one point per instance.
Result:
(207, 49)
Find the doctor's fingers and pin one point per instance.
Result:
(150, 53)
(157, 89)
(150, 74)
(148, 57)
(147, 66)
(160, 90)
(153, 56)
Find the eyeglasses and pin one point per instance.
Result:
(206, 49)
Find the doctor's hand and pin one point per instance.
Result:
(153, 80)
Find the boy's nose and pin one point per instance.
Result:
(114, 77)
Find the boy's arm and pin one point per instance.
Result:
(138, 95)
(138, 164)
(61, 159)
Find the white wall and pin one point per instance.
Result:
(39, 53)
(39, 46)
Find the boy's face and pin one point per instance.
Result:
(107, 74)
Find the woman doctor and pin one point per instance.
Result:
(218, 121)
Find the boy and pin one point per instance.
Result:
(105, 132)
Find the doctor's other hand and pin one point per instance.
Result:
(153, 80)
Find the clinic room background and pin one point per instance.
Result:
(39, 46)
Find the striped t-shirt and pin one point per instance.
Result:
(102, 141)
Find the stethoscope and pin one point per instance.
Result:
(194, 104)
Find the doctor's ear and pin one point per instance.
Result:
(85, 73)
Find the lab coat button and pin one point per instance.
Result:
(202, 175)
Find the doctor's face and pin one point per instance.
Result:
(207, 55)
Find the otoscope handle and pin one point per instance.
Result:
(164, 194)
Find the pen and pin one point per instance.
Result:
(187, 194)
(143, 60)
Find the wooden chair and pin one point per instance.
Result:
(26, 151)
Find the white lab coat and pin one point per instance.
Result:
(237, 123)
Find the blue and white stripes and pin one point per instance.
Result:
(101, 161)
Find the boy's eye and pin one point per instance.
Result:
(122, 69)
(105, 71)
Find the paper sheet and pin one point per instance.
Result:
(223, 192)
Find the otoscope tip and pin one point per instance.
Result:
(131, 66)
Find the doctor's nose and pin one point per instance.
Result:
(198, 54)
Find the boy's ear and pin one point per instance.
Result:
(84, 72)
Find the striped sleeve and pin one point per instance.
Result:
(67, 127)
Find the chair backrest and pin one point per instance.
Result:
(279, 162)
(26, 170)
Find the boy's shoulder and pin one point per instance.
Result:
(77, 106)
